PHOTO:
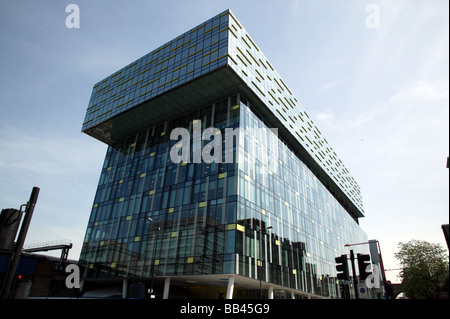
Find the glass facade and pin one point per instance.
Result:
(175, 63)
(214, 218)
(268, 214)
(221, 42)
(192, 206)
(309, 226)
(251, 65)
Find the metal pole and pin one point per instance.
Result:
(153, 258)
(355, 281)
(152, 268)
(15, 257)
(379, 252)
(260, 267)
(382, 265)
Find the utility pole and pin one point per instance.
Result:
(355, 280)
(15, 257)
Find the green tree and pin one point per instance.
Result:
(425, 269)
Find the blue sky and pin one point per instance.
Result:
(379, 95)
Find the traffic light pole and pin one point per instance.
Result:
(14, 261)
(355, 280)
(378, 252)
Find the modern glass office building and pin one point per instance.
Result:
(266, 208)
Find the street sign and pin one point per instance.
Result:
(362, 291)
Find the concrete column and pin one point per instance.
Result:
(230, 288)
(270, 292)
(292, 294)
(166, 288)
(124, 288)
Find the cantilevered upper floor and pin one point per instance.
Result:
(215, 59)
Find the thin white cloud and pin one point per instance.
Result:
(409, 100)
(46, 155)
(422, 91)
(325, 117)
(328, 86)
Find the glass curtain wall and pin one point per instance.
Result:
(192, 205)
(264, 215)
(291, 227)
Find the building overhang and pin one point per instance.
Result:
(181, 100)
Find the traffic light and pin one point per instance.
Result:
(363, 263)
(342, 267)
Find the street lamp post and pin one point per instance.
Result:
(261, 230)
(153, 258)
